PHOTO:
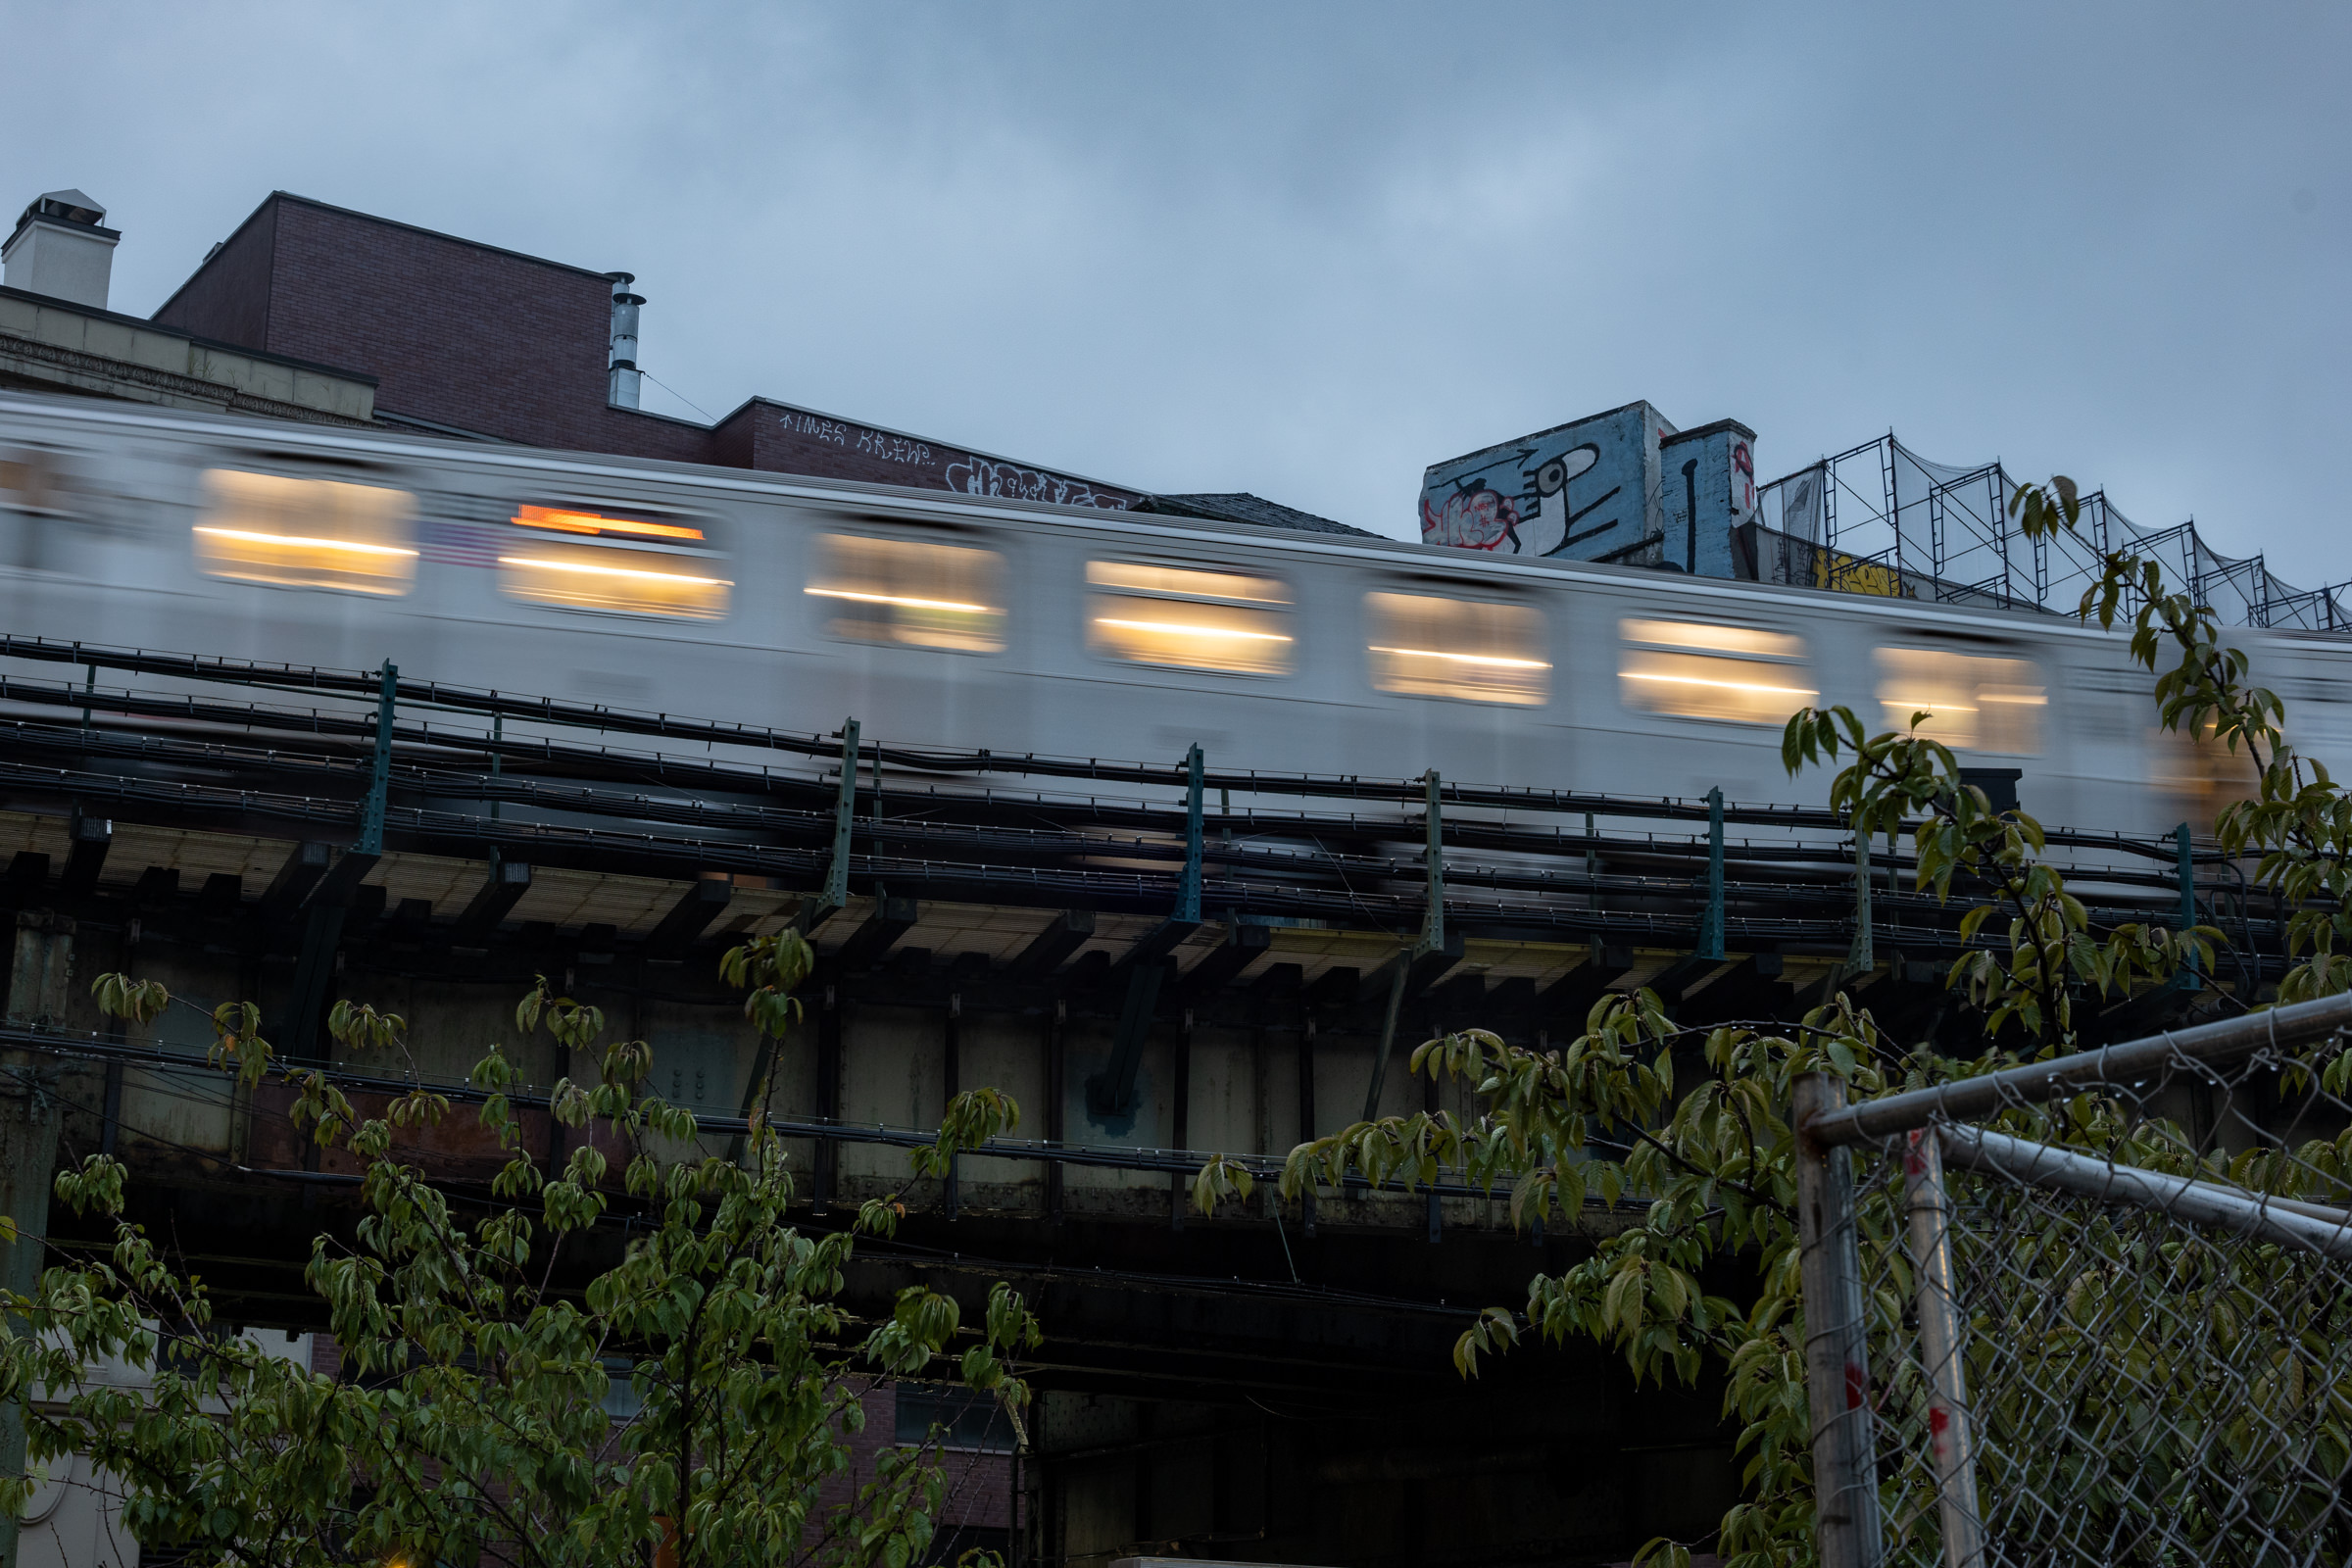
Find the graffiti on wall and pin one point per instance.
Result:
(1473, 518)
(983, 476)
(871, 442)
(894, 448)
(955, 471)
(815, 428)
(1580, 491)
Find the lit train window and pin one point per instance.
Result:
(1972, 704)
(1482, 653)
(618, 563)
(1695, 670)
(31, 480)
(1194, 619)
(917, 595)
(306, 533)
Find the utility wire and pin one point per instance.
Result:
(675, 392)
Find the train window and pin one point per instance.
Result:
(1469, 649)
(1194, 619)
(618, 563)
(917, 595)
(1972, 704)
(306, 533)
(1695, 670)
(31, 480)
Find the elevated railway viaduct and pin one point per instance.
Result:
(1157, 959)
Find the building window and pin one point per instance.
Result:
(1461, 648)
(619, 563)
(1192, 619)
(306, 533)
(621, 1400)
(963, 1418)
(1972, 704)
(1695, 670)
(916, 594)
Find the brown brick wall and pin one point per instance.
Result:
(645, 435)
(455, 333)
(227, 299)
(783, 439)
(512, 346)
(979, 1486)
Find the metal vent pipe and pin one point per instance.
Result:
(621, 393)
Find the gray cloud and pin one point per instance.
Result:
(1307, 250)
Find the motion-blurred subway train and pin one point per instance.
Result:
(972, 622)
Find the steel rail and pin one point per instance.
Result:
(420, 778)
(466, 834)
(749, 841)
(360, 685)
(2312, 1227)
(1971, 1098)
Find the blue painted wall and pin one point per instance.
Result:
(1710, 489)
(1584, 491)
(1623, 486)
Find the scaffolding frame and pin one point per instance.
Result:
(1879, 519)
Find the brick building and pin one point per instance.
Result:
(465, 339)
(314, 311)
(58, 336)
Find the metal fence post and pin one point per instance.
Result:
(1950, 1437)
(1845, 1482)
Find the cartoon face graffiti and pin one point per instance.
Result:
(1553, 476)
(1472, 518)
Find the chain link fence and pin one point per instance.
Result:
(2095, 1311)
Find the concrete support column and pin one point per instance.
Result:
(41, 970)
(29, 1118)
(41, 977)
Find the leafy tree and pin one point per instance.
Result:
(1713, 1161)
(470, 1422)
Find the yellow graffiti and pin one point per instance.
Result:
(1849, 574)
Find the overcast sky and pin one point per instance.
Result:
(1307, 250)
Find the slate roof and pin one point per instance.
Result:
(1243, 506)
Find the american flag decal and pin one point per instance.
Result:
(460, 544)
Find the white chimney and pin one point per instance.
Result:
(622, 392)
(62, 249)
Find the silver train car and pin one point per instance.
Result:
(969, 623)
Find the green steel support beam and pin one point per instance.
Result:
(1431, 939)
(330, 896)
(1433, 916)
(835, 895)
(1147, 965)
(1112, 1093)
(1387, 1042)
(380, 777)
(498, 736)
(1188, 891)
(1861, 958)
(1710, 928)
(845, 811)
